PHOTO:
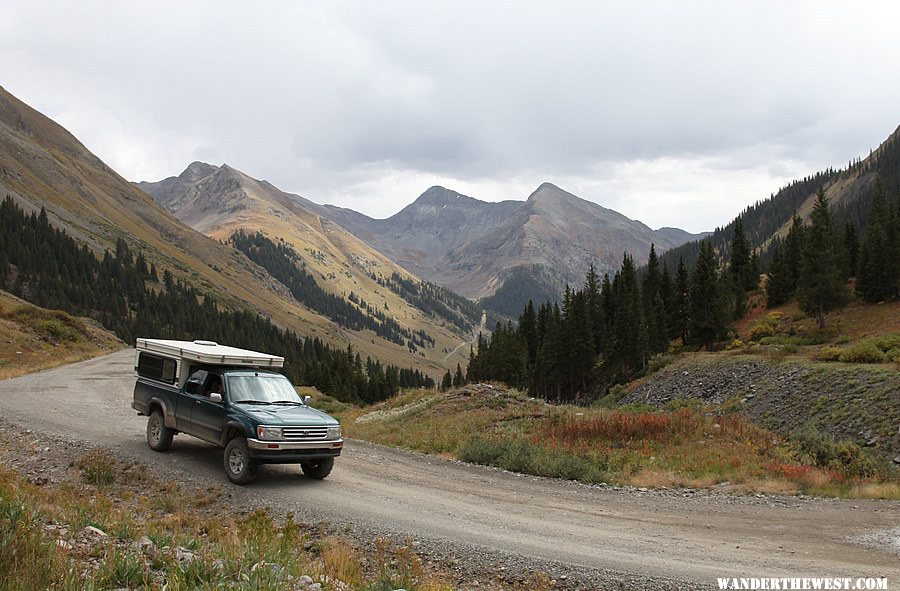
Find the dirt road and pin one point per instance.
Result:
(478, 513)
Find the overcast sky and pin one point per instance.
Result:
(674, 113)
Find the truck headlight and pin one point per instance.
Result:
(334, 432)
(268, 432)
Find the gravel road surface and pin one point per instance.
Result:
(599, 537)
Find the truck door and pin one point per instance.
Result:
(208, 417)
(187, 399)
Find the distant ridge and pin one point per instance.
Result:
(474, 246)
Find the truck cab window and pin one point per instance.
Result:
(195, 383)
(213, 384)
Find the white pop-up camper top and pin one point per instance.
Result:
(204, 352)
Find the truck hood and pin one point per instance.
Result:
(288, 415)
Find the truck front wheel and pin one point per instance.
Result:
(239, 466)
(317, 469)
(159, 437)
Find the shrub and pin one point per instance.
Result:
(659, 361)
(527, 458)
(844, 457)
(97, 467)
(611, 398)
(853, 461)
(196, 574)
(120, 569)
(761, 330)
(734, 344)
(830, 354)
(864, 352)
(774, 318)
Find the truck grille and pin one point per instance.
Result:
(305, 433)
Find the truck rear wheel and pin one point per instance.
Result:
(239, 466)
(317, 469)
(159, 437)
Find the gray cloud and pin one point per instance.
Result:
(645, 107)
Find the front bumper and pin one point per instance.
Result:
(293, 452)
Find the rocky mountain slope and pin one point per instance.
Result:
(220, 200)
(473, 246)
(43, 165)
(850, 401)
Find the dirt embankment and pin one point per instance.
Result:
(860, 403)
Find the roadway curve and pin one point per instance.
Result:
(666, 538)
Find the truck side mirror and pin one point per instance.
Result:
(215, 397)
(306, 400)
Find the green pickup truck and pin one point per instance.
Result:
(231, 397)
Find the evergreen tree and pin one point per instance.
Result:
(548, 373)
(528, 328)
(755, 270)
(664, 309)
(821, 285)
(458, 379)
(739, 270)
(793, 251)
(680, 306)
(447, 381)
(630, 332)
(851, 244)
(878, 266)
(778, 280)
(654, 309)
(592, 291)
(709, 311)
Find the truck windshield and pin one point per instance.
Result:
(261, 388)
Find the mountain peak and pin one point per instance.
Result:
(437, 195)
(197, 170)
(550, 193)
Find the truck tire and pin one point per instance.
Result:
(239, 466)
(317, 469)
(159, 437)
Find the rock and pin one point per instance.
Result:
(897, 460)
(184, 556)
(314, 587)
(266, 566)
(146, 546)
(872, 441)
(303, 582)
(95, 532)
(63, 545)
(219, 564)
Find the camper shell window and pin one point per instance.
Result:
(154, 367)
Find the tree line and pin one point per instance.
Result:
(606, 332)
(286, 266)
(125, 294)
(433, 299)
(815, 261)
